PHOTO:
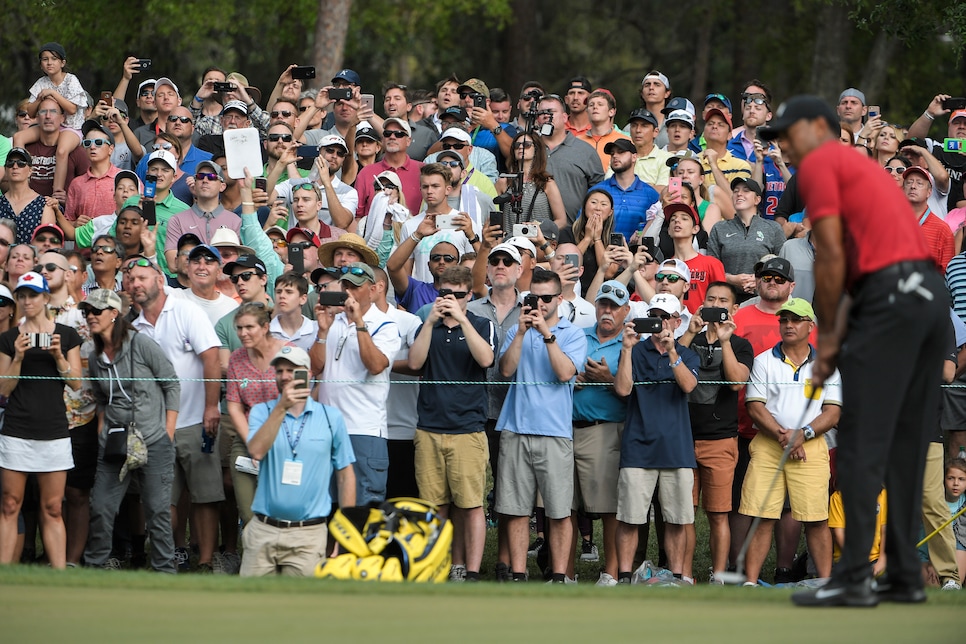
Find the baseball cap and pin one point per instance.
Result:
(675, 266)
(348, 76)
(241, 80)
(507, 248)
(206, 250)
(22, 153)
(679, 103)
(54, 228)
(522, 243)
(366, 131)
(293, 354)
(127, 174)
(643, 114)
(751, 184)
(620, 145)
(188, 238)
(854, 93)
(145, 83)
(718, 97)
(451, 154)
(672, 208)
(54, 48)
(91, 125)
(475, 85)
(716, 112)
(358, 273)
(579, 82)
(207, 163)
(549, 229)
(456, 112)
(665, 302)
(163, 155)
(333, 139)
(777, 265)
(6, 297)
(914, 169)
(659, 76)
(121, 106)
(245, 261)
(958, 114)
(164, 80)
(682, 116)
(391, 176)
(34, 281)
(456, 133)
(101, 299)
(401, 123)
(614, 291)
(799, 306)
(276, 229)
(235, 105)
(313, 238)
(803, 106)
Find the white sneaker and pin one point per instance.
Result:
(712, 580)
(606, 580)
(750, 583)
(951, 584)
(568, 580)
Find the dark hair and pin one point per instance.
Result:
(957, 462)
(901, 159)
(281, 124)
(556, 99)
(73, 253)
(213, 68)
(529, 85)
(173, 140)
(606, 95)
(381, 275)
(292, 278)
(538, 171)
(498, 95)
(283, 100)
(541, 276)
(119, 333)
(118, 246)
(258, 310)
(457, 275)
(451, 79)
(731, 287)
(422, 96)
(581, 223)
(402, 88)
(758, 83)
(436, 168)
(465, 257)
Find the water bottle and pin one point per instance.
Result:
(207, 442)
(962, 452)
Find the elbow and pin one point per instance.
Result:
(256, 452)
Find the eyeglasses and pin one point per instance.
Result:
(285, 138)
(546, 299)
(335, 150)
(757, 99)
(619, 292)
(894, 170)
(279, 243)
(164, 145)
(52, 112)
(786, 318)
(777, 279)
(526, 145)
(670, 277)
(505, 260)
(210, 176)
(454, 146)
(399, 134)
(144, 93)
(452, 164)
(174, 119)
(15, 163)
(50, 267)
(662, 315)
(247, 275)
(449, 259)
(47, 240)
(283, 113)
(302, 108)
(95, 142)
(107, 250)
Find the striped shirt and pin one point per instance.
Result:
(956, 283)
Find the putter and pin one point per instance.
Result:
(738, 576)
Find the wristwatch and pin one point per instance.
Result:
(362, 328)
(496, 131)
(476, 239)
(808, 432)
(551, 339)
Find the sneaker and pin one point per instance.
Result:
(784, 576)
(181, 559)
(230, 563)
(750, 584)
(138, 561)
(502, 572)
(204, 569)
(588, 551)
(839, 593)
(217, 564)
(535, 547)
(952, 584)
(606, 580)
(457, 573)
(568, 580)
(712, 580)
(112, 563)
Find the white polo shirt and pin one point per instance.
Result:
(304, 338)
(359, 395)
(579, 311)
(184, 333)
(346, 194)
(787, 402)
(425, 246)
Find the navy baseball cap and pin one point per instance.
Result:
(348, 76)
(643, 114)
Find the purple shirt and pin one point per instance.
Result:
(417, 295)
(193, 221)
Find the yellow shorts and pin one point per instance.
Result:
(451, 467)
(805, 482)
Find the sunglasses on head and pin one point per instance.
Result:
(303, 186)
(50, 267)
(440, 257)
(334, 150)
(143, 262)
(283, 113)
(107, 250)
(619, 292)
(95, 142)
(454, 146)
(15, 163)
(670, 277)
(351, 270)
(777, 279)
(210, 176)
(174, 119)
(285, 138)
(247, 275)
(399, 134)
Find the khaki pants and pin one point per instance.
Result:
(935, 511)
(291, 552)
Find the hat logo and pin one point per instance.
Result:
(28, 278)
(286, 350)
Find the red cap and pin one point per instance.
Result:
(51, 227)
(715, 111)
(313, 238)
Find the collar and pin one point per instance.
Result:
(201, 213)
(778, 352)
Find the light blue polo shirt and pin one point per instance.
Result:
(596, 402)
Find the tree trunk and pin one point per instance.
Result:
(518, 38)
(874, 77)
(702, 56)
(330, 31)
(830, 59)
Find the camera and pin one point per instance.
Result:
(224, 87)
(40, 340)
(333, 298)
(144, 64)
(525, 230)
(714, 314)
(648, 325)
(340, 94)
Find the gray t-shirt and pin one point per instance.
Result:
(801, 254)
(739, 248)
(575, 167)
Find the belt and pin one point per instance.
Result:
(282, 523)
(580, 424)
(899, 269)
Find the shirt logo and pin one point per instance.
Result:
(731, 234)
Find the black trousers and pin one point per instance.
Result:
(891, 366)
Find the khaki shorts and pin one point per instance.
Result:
(451, 467)
(291, 552)
(635, 491)
(715, 474)
(530, 463)
(597, 462)
(226, 434)
(805, 482)
(199, 472)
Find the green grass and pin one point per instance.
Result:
(41, 605)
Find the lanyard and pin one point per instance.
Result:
(922, 219)
(298, 436)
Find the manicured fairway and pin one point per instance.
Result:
(38, 605)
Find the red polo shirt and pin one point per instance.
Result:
(408, 174)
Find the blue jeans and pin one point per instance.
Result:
(371, 468)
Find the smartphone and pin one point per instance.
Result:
(224, 87)
(572, 259)
(296, 258)
(368, 101)
(333, 298)
(144, 64)
(496, 218)
(531, 301)
(340, 93)
(445, 222)
(648, 325)
(303, 71)
(525, 230)
(108, 97)
(714, 314)
(308, 151)
(150, 186)
(261, 183)
(874, 111)
(301, 378)
(954, 104)
(479, 101)
(617, 239)
(674, 185)
(650, 246)
(149, 212)
(954, 145)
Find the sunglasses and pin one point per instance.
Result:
(399, 134)
(670, 277)
(454, 146)
(283, 113)
(16, 163)
(90, 310)
(50, 267)
(526, 145)
(777, 279)
(440, 257)
(756, 99)
(87, 143)
(619, 292)
(146, 92)
(335, 150)
(107, 250)
(302, 108)
(210, 176)
(285, 138)
(174, 119)
(304, 186)
(351, 270)
(662, 315)
(47, 240)
(894, 170)
(23, 114)
(501, 259)
(279, 243)
(142, 262)
(247, 275)
(546, 299)
(451, 164)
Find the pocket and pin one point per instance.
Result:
(378, 463)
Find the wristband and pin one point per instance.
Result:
(677, 362)
(929, 116)
(248, 203)
(199, 99)
(415, 238)
(320, 340)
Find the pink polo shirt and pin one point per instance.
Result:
(408, 174)
(91, 196)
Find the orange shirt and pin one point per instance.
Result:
(600, 142)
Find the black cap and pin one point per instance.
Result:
(579, 82)
(458, 112)
(91, 125)
(777, 265)
(643, 114)
(751, 184)
(796, 108)
(625, 145)
(245, 261)
(54, 47)
(22, 153)
(677, 103)
(367, 133)
(188, 238)
(333, 272)
(687, 154)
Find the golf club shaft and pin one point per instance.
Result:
(940, 528)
